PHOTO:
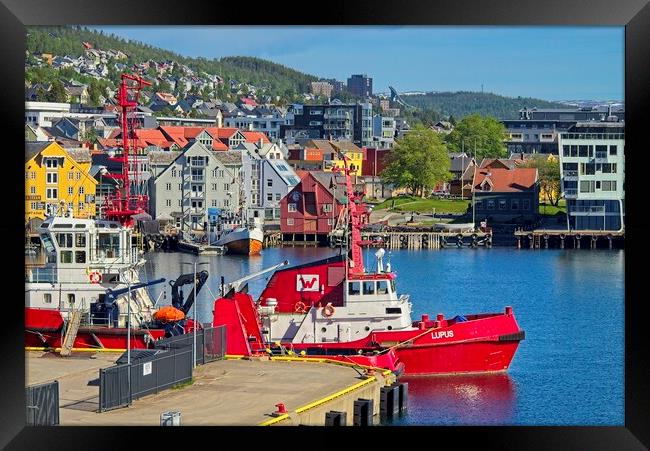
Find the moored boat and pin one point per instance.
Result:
(334, 306)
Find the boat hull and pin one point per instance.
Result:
(244, 247)
(483, 343)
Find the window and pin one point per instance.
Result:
(226, 186)
(327, 208)
(393, 310)
(180, 186)
(612, 150)
(565, 151)
(77, 175)
(34, 205)
(81, 190)
(490, 205)
(278, 196)
(587, 168)
(168, 186)
(369, 287)
(591, 151)
(168, 203)
(66, 256)
(290, 221)
(79, 240)
(52, 177)
(81, 206)
(597, 184)
(583, 151)
(502, 204)
(70, 190)
(526, 204)
(174, 172)
(226, 203)
(47, 298)
(269, 196)
(70, 175)
(330, 221)
(70, 298)
(51, 163)
(214, 187)
(587, 186)
(80, 256)
(214, 203)
(269, 183)
(64, 240)
(180, 202)
(32, 190)
(354, 288)
(382, 287)
(291, 208)
(609, 185)
(514, 204)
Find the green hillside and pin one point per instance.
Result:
(276, 79)
(464, 103)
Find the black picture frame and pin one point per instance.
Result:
(633, 14)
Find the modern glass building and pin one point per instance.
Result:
(592, 171)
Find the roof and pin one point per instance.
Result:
(34, 148)
(496, 162)
(229, 157)
(327, 179)
(506, 180)
(460, 163)
(255, 137)
(80, 155)
(162, 157)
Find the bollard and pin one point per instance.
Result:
(335, 418)
(363, 410)
(281, 410)
(170, 418)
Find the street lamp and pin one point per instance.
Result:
(194, 309)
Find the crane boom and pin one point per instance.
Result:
(236, 284)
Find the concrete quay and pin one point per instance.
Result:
(225, 392)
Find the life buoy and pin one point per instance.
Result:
(300, 307)
(95, 277)
(328, 310)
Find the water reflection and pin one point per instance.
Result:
(460, 400)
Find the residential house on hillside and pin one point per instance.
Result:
(332, 151)
(197, 179)
(36, 133)
(506, 195)
(56, 179)
(77, 92)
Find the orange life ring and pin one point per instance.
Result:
(328, 310)
(300, 307)
(95, 277)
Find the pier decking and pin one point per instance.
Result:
(575, 239)
(224, 392)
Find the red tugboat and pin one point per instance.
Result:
(335, 308)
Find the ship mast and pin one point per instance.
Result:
(355, 211)
(123, 205)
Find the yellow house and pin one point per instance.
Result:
(332, 151)
(58, 180)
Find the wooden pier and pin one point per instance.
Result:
(428, 240)
(571, 239)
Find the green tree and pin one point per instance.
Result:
(548, 174)
(418, 161)
(89, 136)
(57, 92)
(486, 135)
(452, 120)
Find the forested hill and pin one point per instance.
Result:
(68, 40)
(463, 103)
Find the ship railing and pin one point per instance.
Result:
(41, 275)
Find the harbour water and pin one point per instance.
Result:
(568, 371)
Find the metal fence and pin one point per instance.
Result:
(42, 403)
(210, 343)
(161, 370)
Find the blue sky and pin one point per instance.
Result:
(545, 62)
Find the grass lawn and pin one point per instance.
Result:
(551, 210)
(412, 203)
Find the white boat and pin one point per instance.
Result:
(239, 237)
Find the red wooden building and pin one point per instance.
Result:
(308, 212)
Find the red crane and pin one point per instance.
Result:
(122, 205)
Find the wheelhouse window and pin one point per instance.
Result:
(354, 288)
(64, 239)
(66, 256)
(80, 257)
(47, 298)
(382, 287)
(369, 287)
(109, 243)
(80, 240)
